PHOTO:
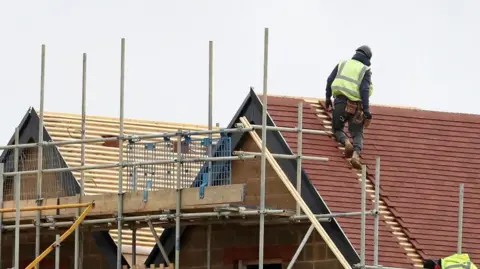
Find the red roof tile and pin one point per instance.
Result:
(424, 157)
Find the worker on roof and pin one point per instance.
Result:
(350, 83)
(460, 261)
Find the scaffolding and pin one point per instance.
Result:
(146, 164)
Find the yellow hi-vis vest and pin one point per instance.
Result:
(349, 76)
(457, 261)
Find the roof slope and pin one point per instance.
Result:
(61, 126)
(424, 157)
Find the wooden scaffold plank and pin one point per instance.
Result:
(158, 200)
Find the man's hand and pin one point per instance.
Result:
(367, 115)
(328, 104)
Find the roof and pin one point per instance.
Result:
(63, 126)
(425, 155)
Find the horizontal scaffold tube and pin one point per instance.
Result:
(160, 135)
(190, 216)
(46, 207)
(289, 129)
(129, 137)
(282, 156)
(62, 238)
(168, 217)
(130, 164)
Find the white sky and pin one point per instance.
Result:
(424, 53)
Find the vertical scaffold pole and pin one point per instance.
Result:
(178, 205)
(1, 206)
(134, 245)
(209, 246)
(364, 199)
(210, 107)
(264, 149)
(460, 219)
(120, 158)
(377, 212)
(17, 201)
(40, 155)
(57, 252)
(78, 256)
(299, 153)
(210, 123)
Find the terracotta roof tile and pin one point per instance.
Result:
(425, 155)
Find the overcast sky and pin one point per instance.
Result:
(425, 54)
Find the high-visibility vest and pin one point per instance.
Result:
(457, 261)
(348, 79)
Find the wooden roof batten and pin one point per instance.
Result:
(65, 126)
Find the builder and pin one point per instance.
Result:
(454, 261)
(351, 86)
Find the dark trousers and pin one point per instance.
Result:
(338, 126)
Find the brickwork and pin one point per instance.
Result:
(52, 185)
(248, 172)
(28, 187)
(234, 242)
(92, 256)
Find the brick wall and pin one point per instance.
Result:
(92, 256)
(248, 172)
(234, 242)
(52, 185)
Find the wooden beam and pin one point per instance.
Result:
(297, 197)
(164, 199)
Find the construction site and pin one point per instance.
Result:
(270, 190)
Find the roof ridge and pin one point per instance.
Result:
(316, 99)
(390, 220)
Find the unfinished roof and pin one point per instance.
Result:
(424, 155)
(61, 126)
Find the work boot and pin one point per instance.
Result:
(348, 148)
(355, 161)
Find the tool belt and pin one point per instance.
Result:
(356, 110)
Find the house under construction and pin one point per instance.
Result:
(272, 189)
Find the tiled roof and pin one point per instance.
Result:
(424, 157)
(62, 126)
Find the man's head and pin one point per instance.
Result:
(365, 50)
